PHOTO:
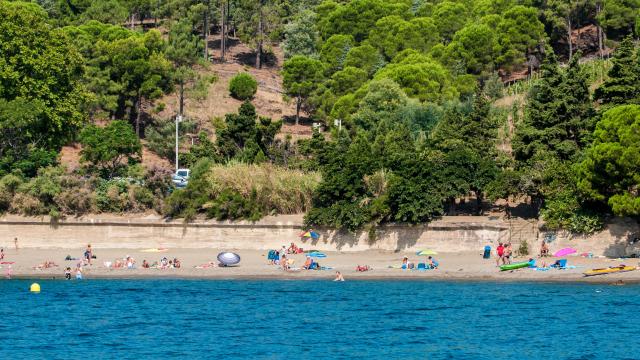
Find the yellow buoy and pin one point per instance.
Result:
(35, 288)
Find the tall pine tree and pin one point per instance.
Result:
(558, 116)
(623, 84)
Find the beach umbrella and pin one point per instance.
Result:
(426, 253)
(317, 255)
(564, 252)
(228, 258)
(310, 234)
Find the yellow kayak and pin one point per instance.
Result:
(610, 270)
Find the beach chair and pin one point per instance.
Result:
(560, 264)
(421, 266)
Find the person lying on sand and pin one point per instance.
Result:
(45, 265)
(363, 268)
(210, 264)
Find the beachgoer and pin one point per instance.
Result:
(79, 273)
(9, 272)
(145, 264)
(176, 263)
(284, 263)
(307, 263)
(1, 253)
(508, 253)
(363, 268)
(500, 253)
(433, 264)
(293, 249)
(544, 249)
(67, 273)
(15, 242)
(88, 253)
(130, 262)
(339, 276)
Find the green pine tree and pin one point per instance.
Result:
(623, 84)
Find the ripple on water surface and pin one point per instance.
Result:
(326, 320)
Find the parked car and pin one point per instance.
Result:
(181, 178)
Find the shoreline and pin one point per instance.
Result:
(457, 267)
(609, 280)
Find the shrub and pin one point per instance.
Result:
(76, 201)
(140, 198)
(230, 205)
(112, 195)
(28, 205)
(243, 86)
(8, 186)
(241, 191)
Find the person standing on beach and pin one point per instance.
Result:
(339, 276)
(1, 253)
(15, 242)
(67, 273)
(88, 253)
(500, 252)
(508, 251)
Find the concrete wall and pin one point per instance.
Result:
(270, 233)
(449, 234)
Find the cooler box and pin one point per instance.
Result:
(487, 252)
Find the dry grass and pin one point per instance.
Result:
(280, 190)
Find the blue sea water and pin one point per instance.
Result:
(224, 319)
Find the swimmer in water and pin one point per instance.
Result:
(339, 276)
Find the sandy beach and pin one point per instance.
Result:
(254, 264)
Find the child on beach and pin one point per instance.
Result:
(67, 273)
(1, 253)
(78, 273)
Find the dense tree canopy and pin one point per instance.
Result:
(40, 88)
(416, 88)
(611, 170)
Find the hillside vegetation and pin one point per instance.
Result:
(408, 94)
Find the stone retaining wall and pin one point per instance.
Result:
(449, 234)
